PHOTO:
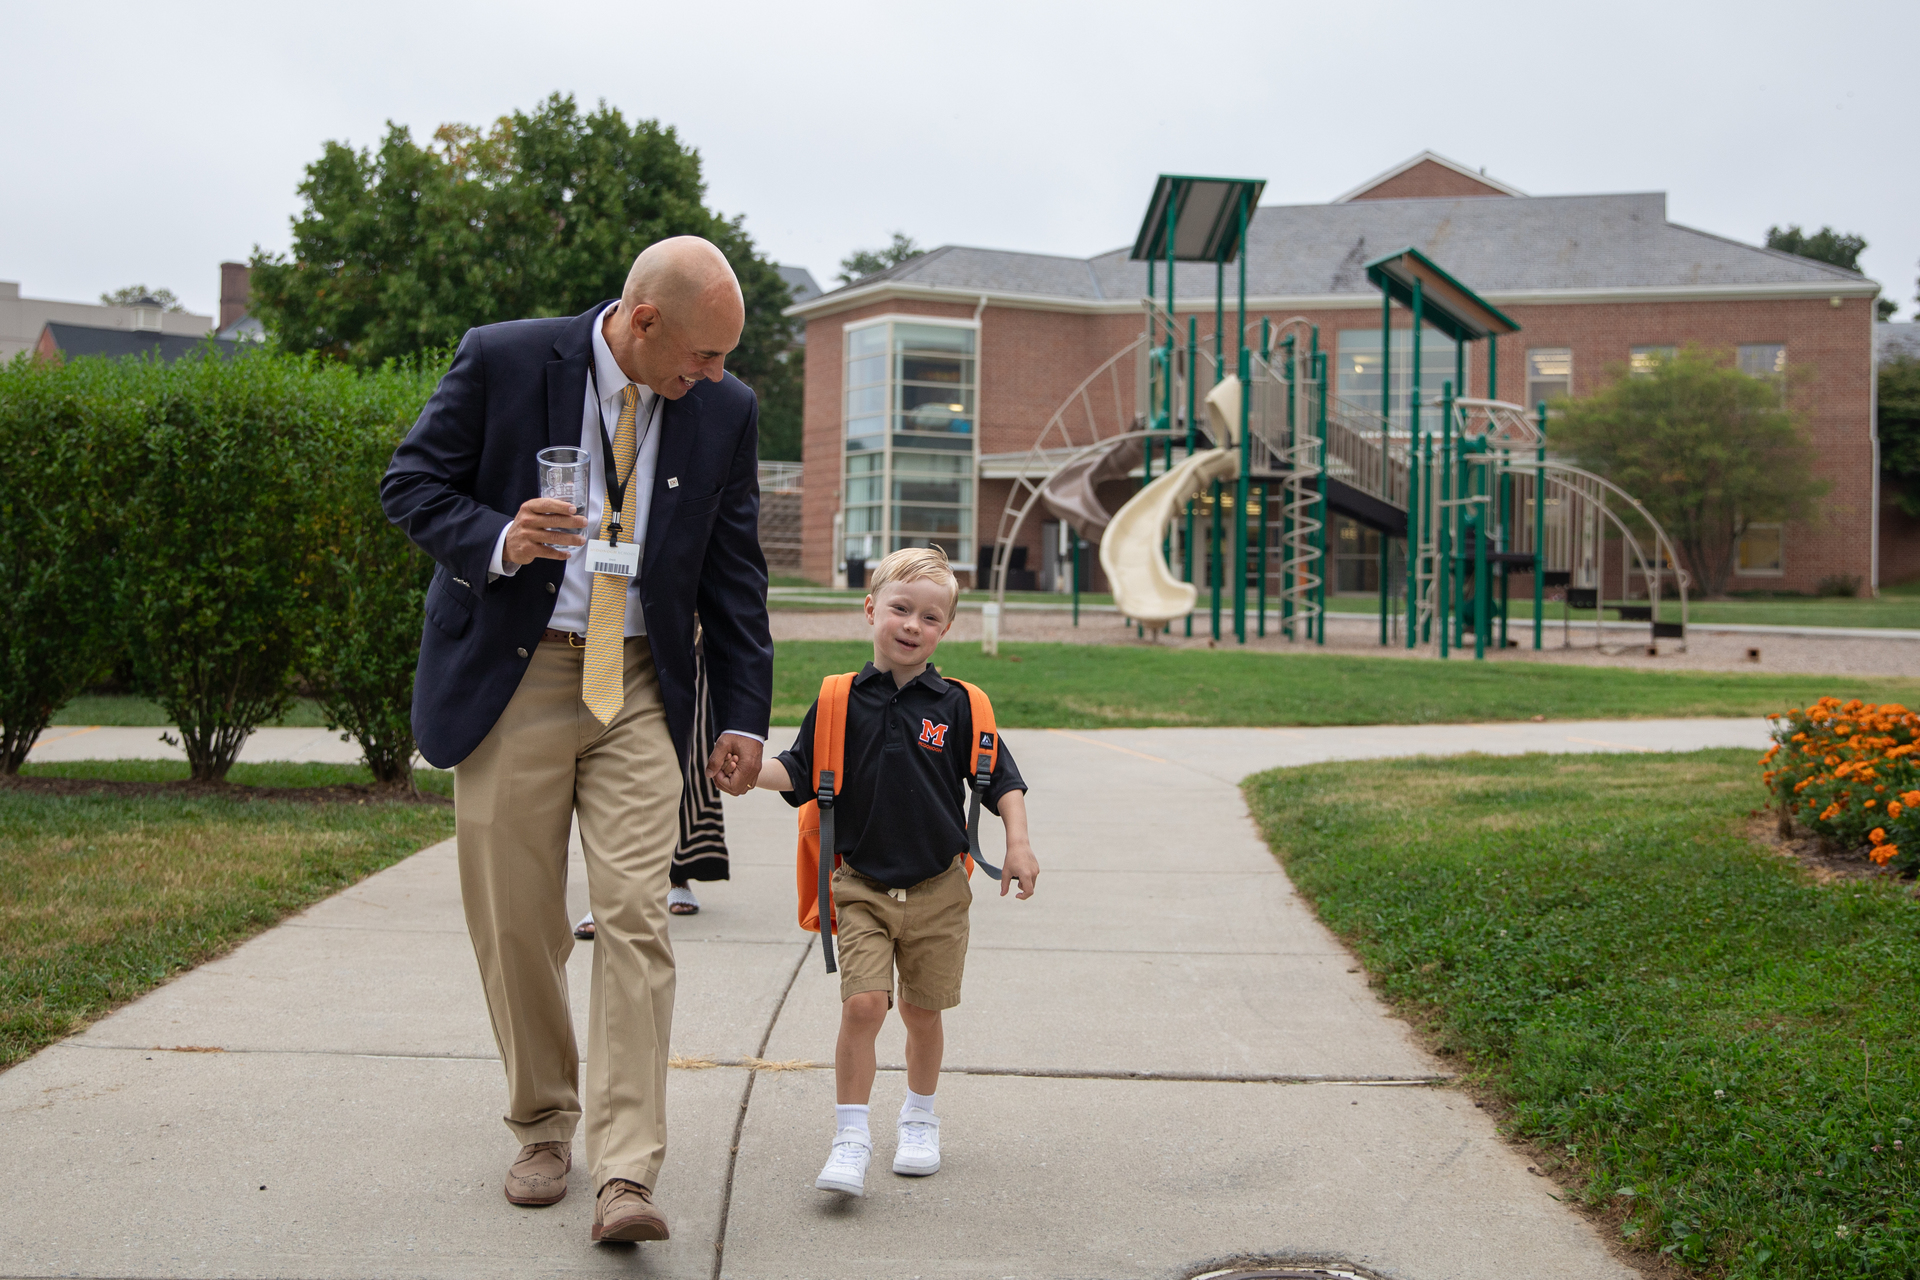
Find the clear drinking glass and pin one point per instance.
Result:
(564, 474)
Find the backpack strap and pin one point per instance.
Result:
(829, 751)
(985, 752)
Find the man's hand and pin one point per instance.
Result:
(735, 763)
(531, 532)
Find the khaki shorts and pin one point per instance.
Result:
(925, 936)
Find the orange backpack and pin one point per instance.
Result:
(812, 873)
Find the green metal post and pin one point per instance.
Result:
(1286, 516)
(1444, 613)
(1320, 592)
(1219, 321)
(1540, 527)
(1193, 369)
(1213, 561)
(1426, 468)
(1482, 615)
(1493, 366)
(1243, 487)
(1077, 545)
(1506, 537)
(1263, 558)
(1384, 540)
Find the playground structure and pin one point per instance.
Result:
(1247, 500)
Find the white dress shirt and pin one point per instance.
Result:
(576, 586)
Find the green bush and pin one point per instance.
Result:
(218, 523)
(370, 581)
(65, 440)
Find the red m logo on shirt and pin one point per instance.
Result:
(933, 735)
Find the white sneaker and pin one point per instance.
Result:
(918, 1152)
(846, 1168)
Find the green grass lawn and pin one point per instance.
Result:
(1068, 686)
(1711, 1047)
(127, 709)
(1890, 610)
(103, 897)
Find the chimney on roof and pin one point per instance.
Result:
(146, 312)
(233, 292)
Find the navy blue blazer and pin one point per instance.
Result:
(467, 465)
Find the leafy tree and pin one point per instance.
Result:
(66, 430)
(134, 292)
(1825, 245)
(1900, 429)
(865, 262)
(1707, 448)
(401, 249)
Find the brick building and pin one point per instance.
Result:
(928, 381)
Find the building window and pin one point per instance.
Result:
(1760, 553)
(1763, 359)
(1549, 374)
(911, 393)
(1642, 361)
(1358, 365)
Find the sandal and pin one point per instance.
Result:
(584, 930)
(681, 902)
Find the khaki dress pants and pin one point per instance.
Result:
(546, 759)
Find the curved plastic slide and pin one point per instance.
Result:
(1132, 555)
(1073, 492)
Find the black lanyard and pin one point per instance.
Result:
(615, 487)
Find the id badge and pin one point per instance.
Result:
(622, 560)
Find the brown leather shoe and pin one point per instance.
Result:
(624, 1211)
(538, 1174)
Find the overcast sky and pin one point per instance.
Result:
(147, 142)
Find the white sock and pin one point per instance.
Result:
(852, 1115)
(924, 1101)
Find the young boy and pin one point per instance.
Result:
(901, 894)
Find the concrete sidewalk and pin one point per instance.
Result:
(1152, 1073)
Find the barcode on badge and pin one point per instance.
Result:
(616, 567)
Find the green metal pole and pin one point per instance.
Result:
(1219, 321)
(1320, 591)
(1482, 614)
(1077, 546)
(1243, 487)
(1213, 560)
(1447, 510)
(1540, 527)
(1263, 558)
(1383, 587)
(1426, 468)
(1286, 516)
(1506, 537)
(1493, 367)
(1193, 368)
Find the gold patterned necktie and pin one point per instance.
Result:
(603, 679)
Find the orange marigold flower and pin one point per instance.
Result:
(1829, 812)
(1883, 854)
(1832, 760)
(1895, 808)
(1911, 797)
(1878, 835)
(1869, 804)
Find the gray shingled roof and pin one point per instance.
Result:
(1896, 342)
(1495, 244)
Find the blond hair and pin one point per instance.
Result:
(917, 564)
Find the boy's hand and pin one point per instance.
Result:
(1020, 865)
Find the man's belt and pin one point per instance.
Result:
(573, 638)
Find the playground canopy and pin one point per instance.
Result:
(1446, 304)
(1207, 218)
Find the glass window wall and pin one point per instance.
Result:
(911, 408)
(1549, 375)
(1359, 369)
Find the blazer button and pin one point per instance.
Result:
(552, 590)
(521, 652)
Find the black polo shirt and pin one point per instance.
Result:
(899, 813)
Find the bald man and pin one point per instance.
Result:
(553, 691)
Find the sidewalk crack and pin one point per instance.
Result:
(740, 1120)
